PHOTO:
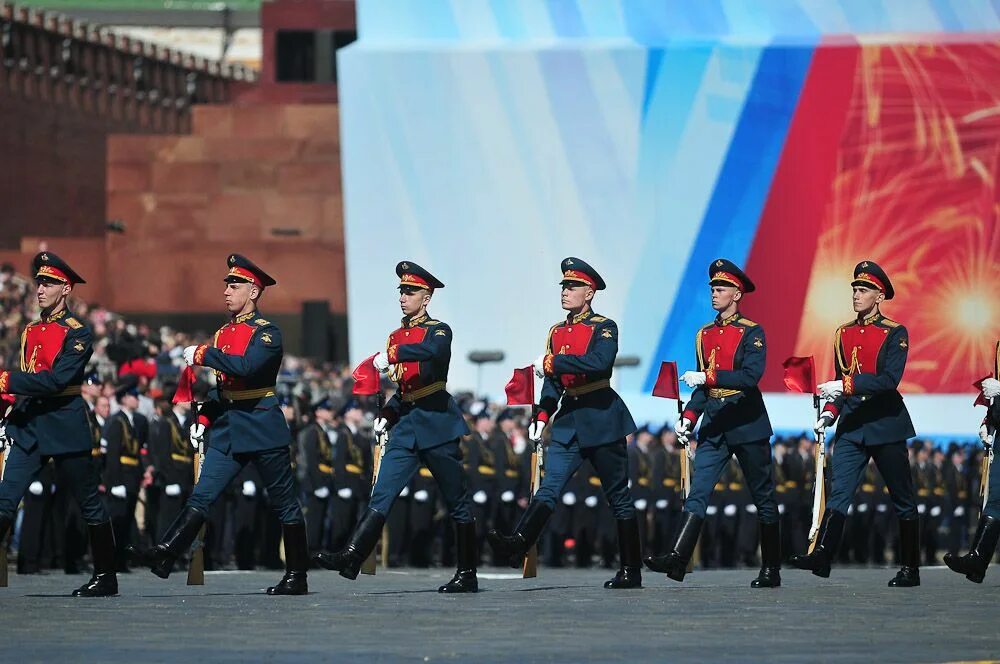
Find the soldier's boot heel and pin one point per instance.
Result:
(364, 538)
(675, 563)
(908, 575)
(465, 579)
(973, 565)
(104, 583)
(515, 546)
(296, 562)
(770, 557)
(630, 573)
(179, 537)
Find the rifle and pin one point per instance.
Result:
(196, 570)
(530, 569)
(819, 482)
(368, 566)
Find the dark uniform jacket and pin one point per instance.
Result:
(171, 452)
(124, 453)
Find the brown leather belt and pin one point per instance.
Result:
(422, 392)
(248, 395)
(587, 388)
(721, 393)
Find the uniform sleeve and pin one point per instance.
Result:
(548, 401)
(751, 368)
(696, 404)
(436, 344)
(263, 349)
(599, 357)
(67, 368)
(889, 374)
(832, 408)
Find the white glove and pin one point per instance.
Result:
(379, 425)
(118, 491)
(535, 430)
(569, 498)
(479, 497)
(987, 435)
(507, 496)
(694, 378)
(832, 389)
(640, 504)
(172, 490)
(590, 501)
(751, 508)
(249, 489)
(682, 427)
(539, 366)
(921, 508)
(381, 363)
(662, 504)
(882, 507)
(863, 507)
(197, 432)
(345, 493)
(824, 421)
(729, 510)
(711, 510)
(4, 440)
(405, 492)
(959, 511)
(422, 496)
(36, 488)
(781, 508)
(189, 355)
(936, 511)
(991, 388)
(322, 493)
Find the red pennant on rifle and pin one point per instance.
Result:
(980, 399)
(800, 374)
(185, 387)
(666, 385)
(520, 388)
(366, 380)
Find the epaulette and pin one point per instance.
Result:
(431, 322)
(890, 323)
(848, 324)
(747, 322)
(598, 319)
(262, 321)
(73, 323)
(707, 326)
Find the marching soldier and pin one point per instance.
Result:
(874, 424)
(984, 543)
(731, 357)
(173, 459)
(123, 472)
(589, 422)
(247, 425)
(317, 458)
(426, 428)
(49, 419)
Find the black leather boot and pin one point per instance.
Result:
(831, 531)
(515, 546)
(296, 562)
(973, 564)
(675, 563)
(908, 575)
(630, 573)
(104, 583)
(178, 539)
(465, 580)
(348, 560)
(770, 557)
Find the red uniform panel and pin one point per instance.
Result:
(233, 339)
(408, 373)
(718, 348)
(859, 348)
(42, 344)
(572, 339)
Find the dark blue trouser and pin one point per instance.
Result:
(610, 462)
(445, 463)
(275, 468)
(754, 458)
(849, 462)
(80, 469)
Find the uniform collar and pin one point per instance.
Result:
(722, 322)
(242, 318)
(868, 320)
(582, 316)
(56, 316)
(410, 322)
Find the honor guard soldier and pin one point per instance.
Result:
(731, 355)
(246, 425)
(870, 356)
(123, 471)
(352, 473)
(984, 543)
(317, 477)
(173, 459)
(50, 418)
(426, 427)
(589, 421)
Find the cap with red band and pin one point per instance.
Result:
(413, 276)
(242, 269)
(47, 265)
(724, 272)
(576, 271)
(870, 274)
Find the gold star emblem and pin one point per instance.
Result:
(78, 347)
(606, 334)
(266, 338)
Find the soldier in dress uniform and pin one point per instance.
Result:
(731, 356)
(316, 450)
(640, 475)
(352, 471)
(482, 467)
(589, 421)
(874, 424)
(665, 474)
(426, 429)
(509, 451)
(173, 458)
(123, 471)
(247, 425)
(956, 483)
(49, 418)
(984, 543)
